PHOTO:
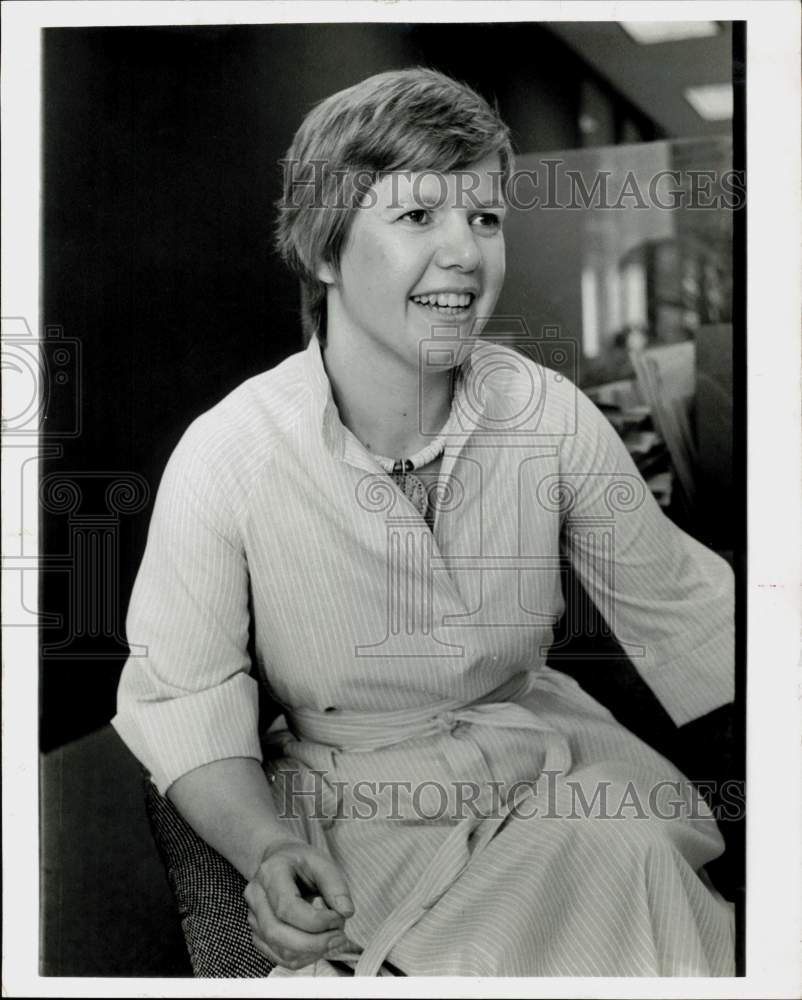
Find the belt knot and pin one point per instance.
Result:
(448, 721)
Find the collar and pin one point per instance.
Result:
(467, 410)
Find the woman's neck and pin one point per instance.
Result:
(392, 408)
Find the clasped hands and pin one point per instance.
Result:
(298, 902)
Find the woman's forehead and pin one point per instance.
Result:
(478, 181)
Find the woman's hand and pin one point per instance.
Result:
(298, 902)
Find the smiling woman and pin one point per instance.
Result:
(433, 256)
(386, 513)
(404, 270)
(384, 129)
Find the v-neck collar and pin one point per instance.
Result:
(467, 410)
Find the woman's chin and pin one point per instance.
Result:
(446, 350)
(447, 336)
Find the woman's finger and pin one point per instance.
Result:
(283, 893)
(325, 874)
(275, 957)
(276, 954)
(285, 940)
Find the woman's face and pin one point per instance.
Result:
(424, 259)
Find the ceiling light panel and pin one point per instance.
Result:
(651, 32)
(712, 102)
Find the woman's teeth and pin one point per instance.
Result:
(445, 302)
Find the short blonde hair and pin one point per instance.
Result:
(412, 119)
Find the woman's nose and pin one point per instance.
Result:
(458, 247)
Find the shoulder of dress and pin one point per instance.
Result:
(235, 437)
(546, 399)
(261, 405)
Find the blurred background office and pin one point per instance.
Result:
(160, 158)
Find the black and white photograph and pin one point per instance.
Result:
(401, 499)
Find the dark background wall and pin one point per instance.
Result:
(160, 176)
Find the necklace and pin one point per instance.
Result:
(414, 489)
(405, 465)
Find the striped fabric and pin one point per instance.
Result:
(360, 612)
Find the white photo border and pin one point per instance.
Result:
(774, 305)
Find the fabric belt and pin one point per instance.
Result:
(358, 732)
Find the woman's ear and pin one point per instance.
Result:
(325, 273)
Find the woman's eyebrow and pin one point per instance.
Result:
(485, 205)
(469, 201)
(412, 196)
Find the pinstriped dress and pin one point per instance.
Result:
(490, 817)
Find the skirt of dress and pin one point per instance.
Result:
(592, 868)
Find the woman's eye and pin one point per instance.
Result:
(488, 221)
(418, 216)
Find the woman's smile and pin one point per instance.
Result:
(450, 303)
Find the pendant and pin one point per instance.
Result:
(414, 490)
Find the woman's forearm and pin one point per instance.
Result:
(229, 804)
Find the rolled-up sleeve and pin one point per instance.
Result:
(186, 697)
(668, 598)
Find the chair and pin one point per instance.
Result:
(667, 380)
(208, 893)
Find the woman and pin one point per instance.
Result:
(386, 511)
